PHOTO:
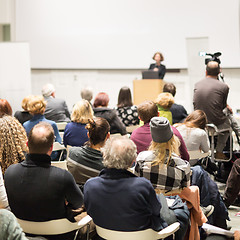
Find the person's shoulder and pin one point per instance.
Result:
(145, 156)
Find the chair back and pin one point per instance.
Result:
(60, 164)
(61, 126)
(55, 227)
(137, 235)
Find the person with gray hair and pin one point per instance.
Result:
(87, 94)
(119, 200)
(56, 109)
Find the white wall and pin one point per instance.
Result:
(68, 84)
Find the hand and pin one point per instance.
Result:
(236, 235)
(229, 109)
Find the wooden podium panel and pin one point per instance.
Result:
(146, 89)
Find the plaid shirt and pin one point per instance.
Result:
(169, 177)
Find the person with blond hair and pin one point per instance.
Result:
(75, 133)
(23, 116)
(13, 140)
(164, 102)
(161, 164)
(36, 107)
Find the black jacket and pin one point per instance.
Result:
(116, 126)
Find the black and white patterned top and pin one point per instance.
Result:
(174, 176)
(128, 115)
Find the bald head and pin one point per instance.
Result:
(212, 69)
(41, 138)
(119, 153)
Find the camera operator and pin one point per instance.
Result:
(210, 96)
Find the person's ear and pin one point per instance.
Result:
(108, 136)
(27, 143)
(88, 135)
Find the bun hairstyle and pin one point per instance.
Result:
(98, 129)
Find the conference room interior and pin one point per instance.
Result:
(114, 53)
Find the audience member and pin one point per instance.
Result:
(193, 132)
(13, 140)
(36, 107)
(162, 164)
(87, 94)
(179, 113)
(86, 162)
(56, 109)
(126, 111)
(75, 133)
(142, 135)
(5, 108)
(119, 200)
(9, 227)
(164, 102)
(3, 195)
(160, 68)
(38, 191)
(210, 96)
(23, 116)
(232, 189)
(101, 110)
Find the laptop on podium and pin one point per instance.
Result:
(150, 74)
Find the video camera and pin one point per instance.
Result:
(213, 57)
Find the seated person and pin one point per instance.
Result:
(232, 189)
(56, 109)
(119, 200)
(193, 132)
(36, 107)
(86, 161)
(38, 191)
(126, 111)
(9, 227)
(162, 164)
(179, 113)
(87, 94)
(101, 110)
(75, 133)
(164, 102)
(142, 135)
(13, 140)
(23, 116)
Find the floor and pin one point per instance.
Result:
(233, 210)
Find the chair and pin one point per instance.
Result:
(55, 227)
(130, 129)
(61, 126)
(196, 155)
(214, 131)
(59, 147)
(137, 235)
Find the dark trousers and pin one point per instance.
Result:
(233, 187)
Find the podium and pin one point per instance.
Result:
(146, 89)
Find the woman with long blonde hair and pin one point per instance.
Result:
(161, 164)
(13, 141)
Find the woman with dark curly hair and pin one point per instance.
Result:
(13, 141)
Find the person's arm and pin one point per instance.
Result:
(56, 133)
(73, 194)
(162, 71)
(154, 204)
(3, 194)
(205, 145)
